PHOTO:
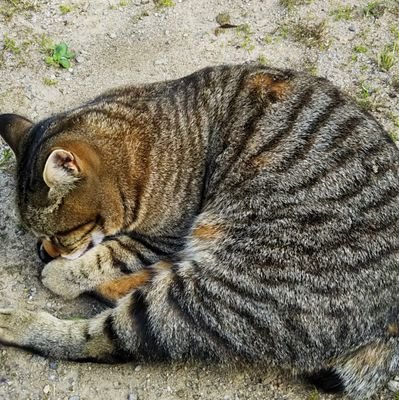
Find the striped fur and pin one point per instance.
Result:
(240, 212)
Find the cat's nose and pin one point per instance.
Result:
(43, 254)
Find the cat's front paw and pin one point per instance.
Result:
(64, 278)
(17, 325)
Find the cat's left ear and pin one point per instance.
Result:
(62, 168)
(13, 128)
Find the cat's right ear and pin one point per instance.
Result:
(13, 129)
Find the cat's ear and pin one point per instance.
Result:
(13, 129)
(61, 169)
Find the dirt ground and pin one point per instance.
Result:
(353, 43)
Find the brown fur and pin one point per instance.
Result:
(268, 86)
(207, 231)
(116, 289)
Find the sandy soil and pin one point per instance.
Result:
(120, 42)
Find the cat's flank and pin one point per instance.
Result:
(241, 212)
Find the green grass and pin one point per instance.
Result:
(66, 8)
(164, 3)
(291, 4)
(395, 31)
(342, 13)
(374, 9)
(50, 81)
(364, 97)
(360, 49)
(5, 157)
(387, 58)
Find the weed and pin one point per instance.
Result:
(374, 9)
(284, 31)
(60, 55)
(387, 58)
(50, 81)
(314, 395)
(13, 7)
(364, 97)
(164, 3)
(394, 135)
(393, 117)
(342, 13)
(262, 60)
(291, 4)
(223, 19)
(10, 45)
(45, 43)
(360, 49)
(5, 157)
(395, 31)
(244, 33)
(268, 38)
(310, 66)
(66, 8)
(393, 8)
(309, 34)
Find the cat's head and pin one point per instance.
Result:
(64, 193)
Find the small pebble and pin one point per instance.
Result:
(46, 389)
(132, 396)
(74, 397)
(138, 368)
(52, 365)
(112, 35)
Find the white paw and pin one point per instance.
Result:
(64, 278)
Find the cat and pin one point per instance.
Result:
(241, 212)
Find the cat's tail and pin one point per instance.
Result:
(362, 372)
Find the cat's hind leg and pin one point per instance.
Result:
(361, 373)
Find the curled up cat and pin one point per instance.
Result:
(241, 212)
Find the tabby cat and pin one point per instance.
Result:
(241, 212)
